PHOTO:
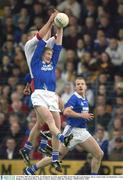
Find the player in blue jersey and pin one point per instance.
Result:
(77, 112)
(31, 44)
(43, 63)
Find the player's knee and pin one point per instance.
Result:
(99, 155)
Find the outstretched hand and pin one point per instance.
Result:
(27, 90)
(53, 15)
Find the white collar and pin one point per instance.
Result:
(43, 62)
(79, 96)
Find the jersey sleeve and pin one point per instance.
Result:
(56, 53)
(30, 46)
(38, 52)
(71, 102)
(50, 42)
(29, 49)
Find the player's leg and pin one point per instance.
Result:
(45, 161)
(90, 145)
(55, 142)
(54, 128)
(25, 151)
(47, 117)
(45, 136)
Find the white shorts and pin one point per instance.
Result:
(80, 135)
(45, 98)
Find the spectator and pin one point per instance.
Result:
(89, 9)
(13, 118)
(69, 74)
(105, 64)
(88, 42)
(90, 27)
(72, 37)
(38, 22)
(6, 92)
(15, 97)
(10, 150)
(4, 126)
(119, 17)
(6, 13)
(60, 82)
(73, 21)
(73, 5)
(12, 81)
(68, 90)
(103, 117)
(23, 40)
(90, 96)
(115, 52)
(16, 133)
(115, 148)
(116, 123)
(100, 45)
(106, 26)
(100, 100)
(120, 35)
(4, 105)
(80, 49)
(87, 65)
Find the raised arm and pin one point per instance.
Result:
(47, 35)
(47, 27)
(59, 36)
(57, 46)
(43, 33)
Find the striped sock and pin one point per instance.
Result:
(43, 143)
(28, 146)
(55, 156)
(34, 168)
(60, 137)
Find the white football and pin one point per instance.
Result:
(61, 20)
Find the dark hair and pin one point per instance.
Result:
(47, 49)
(107, 56)
(32, 29)
(80, 78)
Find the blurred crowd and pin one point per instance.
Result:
(92, 48)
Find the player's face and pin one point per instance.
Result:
(47, 56)
(32, 34)
(81, 86)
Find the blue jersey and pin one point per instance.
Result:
(43, 73)
(78, 104)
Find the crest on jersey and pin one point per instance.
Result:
(82, 104)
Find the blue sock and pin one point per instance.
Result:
(60, 137)
(28, 146)
(94, 174)
(43, 143)
(55, 156)
(33, 168)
